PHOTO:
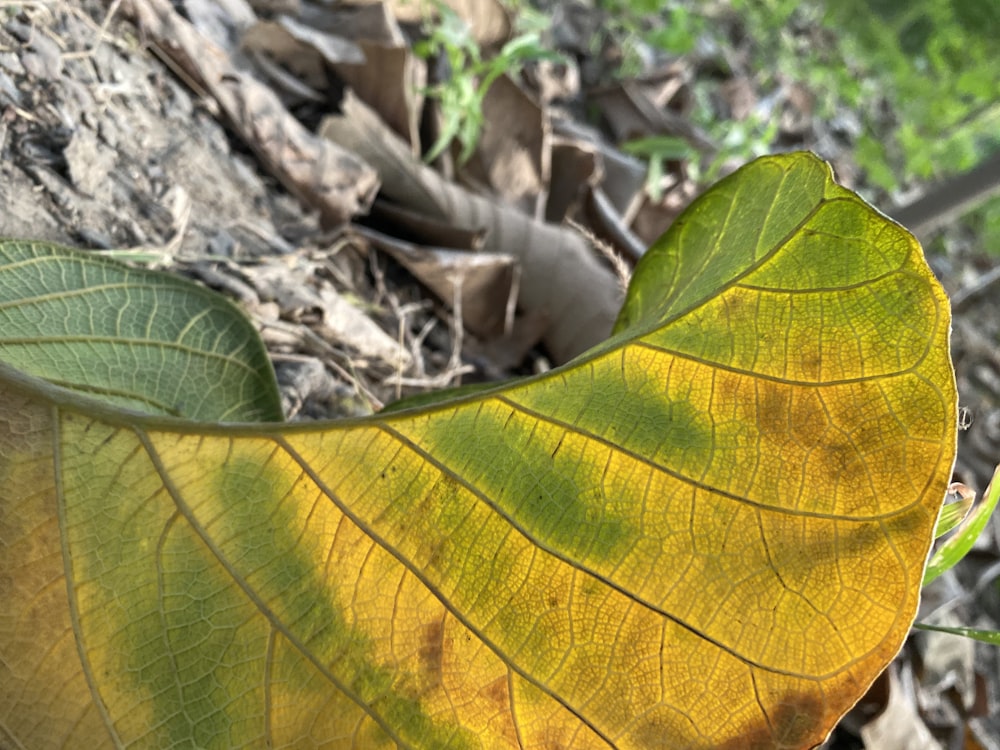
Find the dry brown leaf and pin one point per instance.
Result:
(378, 65)
(273, 42)
(419, 227)
(334, 48)
(371, 23)
(632, 114)
(484, 280)
(292, 86)
(898, 726)
(318, 172)
(385, 74)
(651, 218)
(561, 276)
(301, 49)
(487, 19)
(392, 83)
(622, 177)
(611, 227)
(276, 7)
(514, 155)
(575, 167)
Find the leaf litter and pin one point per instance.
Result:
(273, 151)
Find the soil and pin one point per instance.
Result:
(104, 146)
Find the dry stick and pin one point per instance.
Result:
(457, 328)
(613, 224)
(510, 311)
(967, 294)
(454, 369)
(417, 342)
(618, 263)
(950, 198)
(327, 354)
(112, 9)
(402, 313)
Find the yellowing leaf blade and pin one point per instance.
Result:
(704, 534)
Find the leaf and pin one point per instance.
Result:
(137, 339)
(958, 545)
(320, 174)
(952, 514)
(992, 637)
(487, 20)
(707, 533)
(581, 307)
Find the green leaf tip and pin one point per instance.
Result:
(136, 339)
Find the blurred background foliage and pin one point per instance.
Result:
(919, 77)
(923, 73)
(908, 91)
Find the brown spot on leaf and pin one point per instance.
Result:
(774, 402)
(498, 692)
(843, 463)
(809, 419)
(810, 366)
(739, 304)
(432, 653)
(796, 721)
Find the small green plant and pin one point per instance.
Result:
(919, 76)
(645, 28)
(982, 224)
(968, 521)
(987, 221)
(657, 150)
(672, 27)
(936, 59)
(471, 73)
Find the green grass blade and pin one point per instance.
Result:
(986, 636)
(958, 546)
(954, 513)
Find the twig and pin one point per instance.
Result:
(618, 263)
(100, 32)
(457, 328)
(964, 296)
(317, 346)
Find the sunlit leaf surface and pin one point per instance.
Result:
(708, 533)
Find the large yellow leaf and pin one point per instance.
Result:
(707, 533)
